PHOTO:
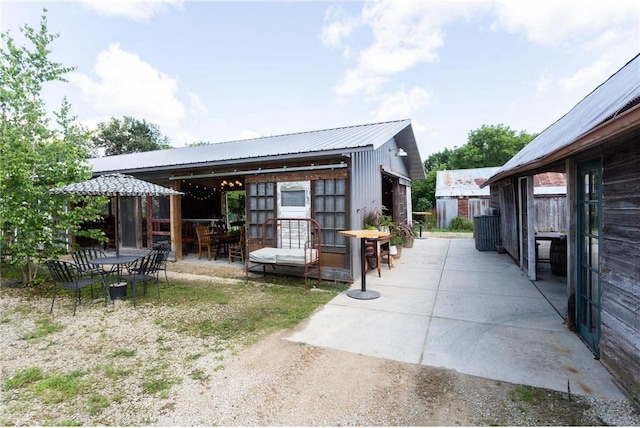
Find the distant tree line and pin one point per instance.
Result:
(491, 145)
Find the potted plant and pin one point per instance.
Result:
(397, 241)
(386, 224)
(371, 218)
(408, 235)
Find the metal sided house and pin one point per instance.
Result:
(328, 175)
(597, 145)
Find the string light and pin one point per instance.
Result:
(202, 193)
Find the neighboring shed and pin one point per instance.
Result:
(597, 145)
(329, 175)
(459, 193)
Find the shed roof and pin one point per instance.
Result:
(463, 182)
(604, 104)
(315, 143)
(468, 182)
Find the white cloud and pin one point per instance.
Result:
(338, 27)
(551, 22)
(247, 134)
(196, 106)
(403, 35)
(402, 104)
(544, 82)
(182, 138)
(127, 85)
(360, 80)
(138, 10)
(598, 71)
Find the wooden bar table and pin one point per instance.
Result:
(363, 235)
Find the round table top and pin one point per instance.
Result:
(113, 260)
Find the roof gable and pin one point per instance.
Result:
(328, 141)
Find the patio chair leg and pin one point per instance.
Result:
(133, 293)
(75, 301)
(54, 300)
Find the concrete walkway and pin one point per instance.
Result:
(445, 304)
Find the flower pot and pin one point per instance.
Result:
(397, 256)
(118, 290)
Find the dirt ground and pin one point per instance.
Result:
(273, 382)
(286, 383)
(278, 382)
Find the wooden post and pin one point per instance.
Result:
(175, 213)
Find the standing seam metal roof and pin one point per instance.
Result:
(347, 138)
(607, 100)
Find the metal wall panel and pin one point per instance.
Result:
(478, 206)
(446, 210)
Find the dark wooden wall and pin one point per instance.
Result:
(620, 275)
(507, 191)
(524, 262)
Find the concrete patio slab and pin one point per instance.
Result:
(446, 304)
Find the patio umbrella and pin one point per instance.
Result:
(115, 185)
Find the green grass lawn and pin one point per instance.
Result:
(194, 320)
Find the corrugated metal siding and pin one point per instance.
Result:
(478, 206)
(366, 191)
(446, 210)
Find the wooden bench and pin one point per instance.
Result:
(292, 242)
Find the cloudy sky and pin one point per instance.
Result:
(219, 71)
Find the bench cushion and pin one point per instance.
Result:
(283, 256)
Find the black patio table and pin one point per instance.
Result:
(222, 241)
(117, 261)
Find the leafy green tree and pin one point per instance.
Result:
(198, 143)
(423, 192)
(437, 159)
(36, 156)
(129, 135)
(236, 204)
(489, 146)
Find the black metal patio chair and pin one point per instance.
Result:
(163, 249)
(66, 276)
(81, 259)
(142, 271)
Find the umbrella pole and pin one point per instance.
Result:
(117, 225)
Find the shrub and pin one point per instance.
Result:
(461, 223)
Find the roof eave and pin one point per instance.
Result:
(625, 123)
(244, 161)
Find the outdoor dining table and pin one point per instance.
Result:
(223, 240)
(364, 234)
(114, 261)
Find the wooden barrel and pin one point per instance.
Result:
(558, 256)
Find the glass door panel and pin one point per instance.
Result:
(589, 230)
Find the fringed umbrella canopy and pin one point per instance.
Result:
(115, 185)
